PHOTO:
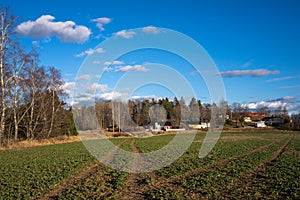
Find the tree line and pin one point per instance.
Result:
(142, 113)
(177, 113)
(31, 95)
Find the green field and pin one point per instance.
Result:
(240, 166)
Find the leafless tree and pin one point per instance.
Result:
(6, 31)
(56, 91)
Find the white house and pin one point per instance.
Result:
(260, 124)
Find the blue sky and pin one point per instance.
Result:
(255, 44)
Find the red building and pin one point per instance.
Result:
(256, 116)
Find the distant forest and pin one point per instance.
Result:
(177, 113)
(143, 113)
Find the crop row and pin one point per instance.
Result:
(31, 172)
(26, 173)
(110, 183)
(231, 170)
(278, 179)
(216, 182)
(222, 150)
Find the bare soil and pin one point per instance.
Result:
(135, 184)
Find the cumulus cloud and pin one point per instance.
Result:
(289, 102)
(69, 87)
(253, 73)
(141, 98)
(128, 68)
(97, 87)
(110, 96)
(45, 27)
(151, 29)
(125, 34)
(115, 62)
(90, 52)
(90, 97)
(100, 22)
(260, 104)
(106, 69)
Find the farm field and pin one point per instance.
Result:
(240, 166)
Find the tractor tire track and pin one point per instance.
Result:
(162, 182)
(246, 181)
(134, 187)
(69, 182)
(222, 162)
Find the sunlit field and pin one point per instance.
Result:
(241, 165)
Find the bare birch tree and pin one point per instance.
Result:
(6, 31)
(56, 91)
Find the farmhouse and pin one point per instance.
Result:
(256, 116)
(273, 121)
(203, 125)
(247, 119)
(260, 124)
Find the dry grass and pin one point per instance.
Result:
(43, 142)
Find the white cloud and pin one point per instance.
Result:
(44, 27)
(149, 97)
(283, 78)
(111, 96)
(90, 97)
(90, 52)
(253, 73)
(128, 68)
(115, 62)
(287, 101)
(85, 77)
(97, 87)
(125, 34)
(151, 29)
(288, 98)
(247, 64)
(260, 104)
(83, 98)
(69, 87)
(101, 22)
(35, 43)
(106, 69)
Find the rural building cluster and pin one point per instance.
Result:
(167, 115)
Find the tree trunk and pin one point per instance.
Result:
(30, 126)
(2, 121)
(16, 123)
(52, 113)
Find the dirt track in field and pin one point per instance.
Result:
(246, 181)
(69, 182)
(171, 182)
(134, 185)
